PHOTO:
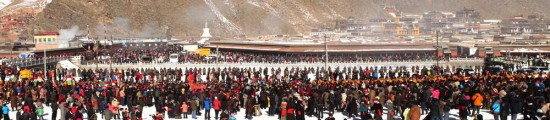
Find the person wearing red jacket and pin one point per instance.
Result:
(217, 104)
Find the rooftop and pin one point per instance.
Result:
(47, 33)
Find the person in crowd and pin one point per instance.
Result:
(390, 107)
(184, 108)
(377, 109)
(225, 116)
(40, 112)
(363, 111)
(330, 117)
(478, 100)
(495, 108)
(207, 107)
(415, 112)
(194, 107)
(6, 112)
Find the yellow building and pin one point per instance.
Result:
(402, 31)
(46, 38)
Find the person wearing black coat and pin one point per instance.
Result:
(34, 116)
(530, 108)
(337, 101)
(272, 104)
(300, 111)
(320, 107)
(291, 106)
(398, 103)
(435, 112)
(89, 111)
(462, 108)
(25, 116)
(310, 107)
(249, 109)
(54, 110)
(505, 107)
(515, 106)
(377, 109)
(352, 107)
(331, 104)
(29, 101)
(18, 115)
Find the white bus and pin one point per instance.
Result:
(174, 58)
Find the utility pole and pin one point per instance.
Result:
(437, 51)
(326, 53)
(44, 59)
(217, 55)
(96, 45)
(437, 48)
(111, 58)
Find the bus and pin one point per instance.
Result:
(174, 58)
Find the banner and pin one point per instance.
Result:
(204, 51)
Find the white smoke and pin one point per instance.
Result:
(118, 27)
(148, 30)
(121, 24)
(66, 35)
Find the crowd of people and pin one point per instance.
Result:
(161, 53)
(285, 93)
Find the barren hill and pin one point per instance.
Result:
(250, 17)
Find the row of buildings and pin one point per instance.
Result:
(465, 21)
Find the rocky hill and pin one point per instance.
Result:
(250, 17)
(9, 7)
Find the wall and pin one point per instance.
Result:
(46, 46)
(40, 39)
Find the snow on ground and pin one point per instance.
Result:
(148, 111)
(4, 3)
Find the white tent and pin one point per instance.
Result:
(66, 64)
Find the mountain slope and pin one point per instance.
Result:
(250, 17)
(13, 6)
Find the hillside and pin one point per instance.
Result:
(250, 17)
(12, 6)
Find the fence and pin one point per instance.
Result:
(34, 62)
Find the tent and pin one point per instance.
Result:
(66, 64)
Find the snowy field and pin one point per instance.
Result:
(148, 111)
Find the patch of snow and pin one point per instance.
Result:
(35, 4)
(4, 3)
(255, 3)
(264, 6)
(28, 3)
(232, 27)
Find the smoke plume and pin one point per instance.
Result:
(66, 35)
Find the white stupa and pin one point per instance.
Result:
(205, 34)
